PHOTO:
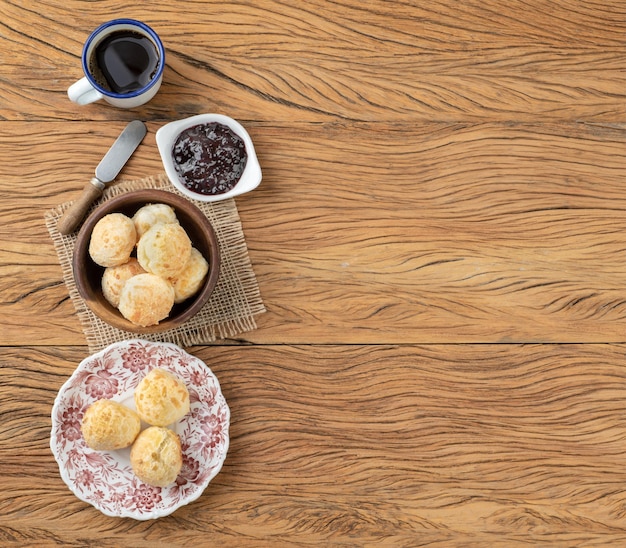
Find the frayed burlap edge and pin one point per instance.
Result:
(233, 306)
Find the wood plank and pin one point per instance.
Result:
(480, 445)
(339, 60)
(438, 233)
(372, 232)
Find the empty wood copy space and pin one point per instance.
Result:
(439, 240)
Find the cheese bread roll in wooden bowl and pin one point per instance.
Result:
(188, 218)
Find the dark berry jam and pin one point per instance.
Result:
(209, 158)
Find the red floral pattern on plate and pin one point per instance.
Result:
(105, 478)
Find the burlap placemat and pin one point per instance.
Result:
(233, 305)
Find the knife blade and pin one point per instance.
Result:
(106, 171)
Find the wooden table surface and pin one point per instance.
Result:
(439, 240)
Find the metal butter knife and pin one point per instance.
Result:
(108, 168)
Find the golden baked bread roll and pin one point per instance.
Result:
(156, 456)
(146, 299)
(115, 277)
(164, 250)
(112, 240)
(189, 281)
(153, 214)
(161, 398)
(108, 425)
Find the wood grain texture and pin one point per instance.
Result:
(438, 240)
(374, 232)
(486, 445)
(339, 60)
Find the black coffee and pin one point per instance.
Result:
(125, 61)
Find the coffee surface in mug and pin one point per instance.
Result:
(125, 61)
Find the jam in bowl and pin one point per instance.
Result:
(209, 157)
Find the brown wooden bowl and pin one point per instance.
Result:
(88, 275)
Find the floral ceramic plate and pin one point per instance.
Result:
(105, 478)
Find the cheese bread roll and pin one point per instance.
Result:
(108, 425)
(156, 456)
(115, 277)
(164, 250)
(189, 281)
(153, 214)
(146, 299)
(112, 240)
(161, 398)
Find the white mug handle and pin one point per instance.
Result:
(83, 93)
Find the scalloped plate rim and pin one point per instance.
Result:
(128, 513)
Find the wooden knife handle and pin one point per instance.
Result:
(74, 215)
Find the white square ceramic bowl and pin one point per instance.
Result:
(166, 137)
